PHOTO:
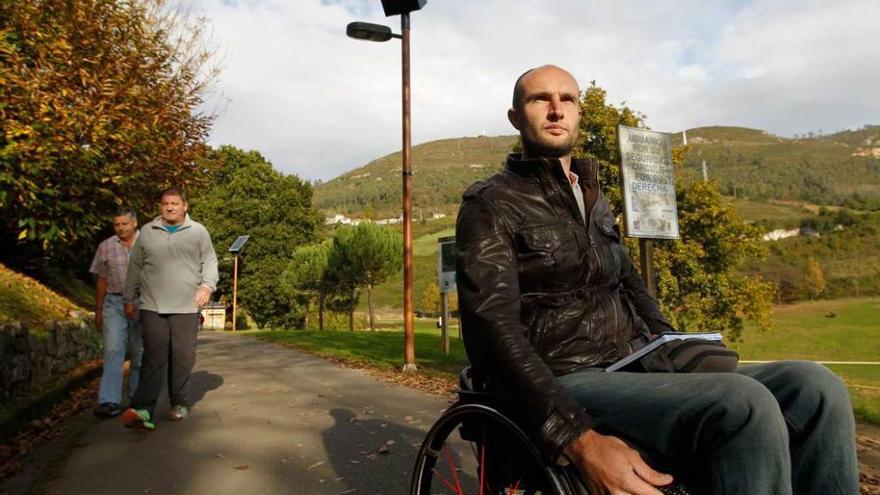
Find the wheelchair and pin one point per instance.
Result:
(476, 448)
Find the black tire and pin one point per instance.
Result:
(474, 449)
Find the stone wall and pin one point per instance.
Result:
(33, 357)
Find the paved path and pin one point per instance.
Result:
(268, 420)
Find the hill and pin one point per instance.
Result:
(837, 169)
(441, 171)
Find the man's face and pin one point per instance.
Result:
(173, 209)
(124, 226)
(548, 115)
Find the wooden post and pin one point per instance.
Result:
(646, 255)
(444, 325)
(234, 290)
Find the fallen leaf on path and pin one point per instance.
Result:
(241, 467)
(313, 466)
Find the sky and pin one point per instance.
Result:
(318, 104)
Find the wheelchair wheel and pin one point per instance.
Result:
(474, 449)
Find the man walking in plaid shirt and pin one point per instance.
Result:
(111, 266)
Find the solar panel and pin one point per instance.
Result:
(239, 243)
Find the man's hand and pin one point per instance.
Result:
(203, 295)
(99, 320)
(131, 310)
(608, 463)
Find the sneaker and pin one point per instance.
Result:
(138, 419)
(107, 410)
(178, 413)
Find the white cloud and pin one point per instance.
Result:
(317, 103)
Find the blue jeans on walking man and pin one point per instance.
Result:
(119, 333)
(769, 429)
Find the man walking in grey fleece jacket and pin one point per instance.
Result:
(173, 272)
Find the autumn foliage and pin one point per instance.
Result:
(100, 106)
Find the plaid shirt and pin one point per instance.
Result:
(111, 262)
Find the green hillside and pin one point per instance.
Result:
(838, 169)
(441, 171)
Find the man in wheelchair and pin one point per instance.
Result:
(549, 298)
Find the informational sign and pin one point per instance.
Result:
(648, 183)
(446, 271)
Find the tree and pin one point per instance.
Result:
(250, 197)
(699, 287)
(99, 107)
(306, 276)
(363, 256)
(431, 298)
(814, 280)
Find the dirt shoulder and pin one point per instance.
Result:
(868, 448)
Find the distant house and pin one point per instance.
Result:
(341, 219)
(777, 234)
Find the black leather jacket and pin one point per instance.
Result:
(541, 294)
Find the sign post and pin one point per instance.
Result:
(446, 282)
(647, 181)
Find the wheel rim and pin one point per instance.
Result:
(474, 449)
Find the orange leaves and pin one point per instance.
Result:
(90, 95)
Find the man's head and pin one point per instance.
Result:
(173, 206)
(546, 111)
(124, 223)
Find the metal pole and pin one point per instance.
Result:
(646, 255)
(234, 289)
(409, 351)
(444, 325)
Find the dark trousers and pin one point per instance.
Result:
(770, 429)
(169, 345)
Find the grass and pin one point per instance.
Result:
(24, 299)
(864, 387)
(781, 214)
(800, 331)
(381, 349)
(805, 331)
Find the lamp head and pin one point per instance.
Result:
(397, 7)
(367, 31)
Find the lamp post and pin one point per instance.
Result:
(377, 32)
(235, 249)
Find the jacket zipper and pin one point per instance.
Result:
(614, 300)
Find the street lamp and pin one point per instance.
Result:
(376, 32)
(235, 249)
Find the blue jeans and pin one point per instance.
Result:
(119, 332)
(769, 429)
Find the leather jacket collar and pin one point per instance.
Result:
(585, 168)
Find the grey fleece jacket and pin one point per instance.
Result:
(166, 269)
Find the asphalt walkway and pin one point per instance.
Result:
(268, 420)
